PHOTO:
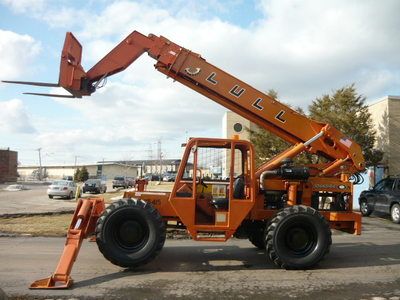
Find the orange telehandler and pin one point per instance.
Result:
(286, 209)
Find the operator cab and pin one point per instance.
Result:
(214, 187)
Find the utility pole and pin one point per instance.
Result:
(159, 154)
(150, 161)
(76, 159)
(40, 164)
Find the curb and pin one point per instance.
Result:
(18, 215)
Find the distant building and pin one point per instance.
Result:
(8, 165)
(234, 124)
(385, 114)
(106, 170)
(151, 166)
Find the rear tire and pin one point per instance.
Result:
(298, 238)
(395, 213)
(257, 235)
(130, 233)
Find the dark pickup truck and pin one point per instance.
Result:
(383, 197)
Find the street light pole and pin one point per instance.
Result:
(40, 164)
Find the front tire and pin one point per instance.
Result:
(395, 213)
(364, 209)
(298, 238)
(130, 233)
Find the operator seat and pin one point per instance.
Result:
(238, 193)
(238, 188)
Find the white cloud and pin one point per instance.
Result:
(134, 113)
(57, 14)
(303, 49)
(16, 53)
(14, 117)
(24, 6)
(316, 46)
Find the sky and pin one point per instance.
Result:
(302, 49)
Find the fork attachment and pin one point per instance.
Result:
(82, 225)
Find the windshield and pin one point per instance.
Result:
(118, 178)
(60, 182)
(90, 181)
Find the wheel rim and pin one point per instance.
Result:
(131, 233)
(364, 207)
(300, 239)
(396, 213)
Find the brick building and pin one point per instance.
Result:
(8, 165)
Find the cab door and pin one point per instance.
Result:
(384, 191)
(214, 188)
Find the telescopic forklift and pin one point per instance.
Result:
(284, 208)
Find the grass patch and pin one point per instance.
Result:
(56, 225)
(49, 225)
(160, 186)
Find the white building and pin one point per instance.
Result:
(385, 114)
(107, 170)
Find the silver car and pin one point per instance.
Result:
(62, 188)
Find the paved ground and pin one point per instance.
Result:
(358, 267)
(34, 200)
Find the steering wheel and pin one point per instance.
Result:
(199, 179)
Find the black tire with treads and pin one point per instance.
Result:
(257, 234)
(130, 233)
(298, 237)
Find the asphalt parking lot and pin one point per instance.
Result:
(358, 267)
(33, 200)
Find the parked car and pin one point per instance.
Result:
(62, 188)
(151, 177)
(121, 181)
(16, 188)
(383, 197)
(94, 186)
(131, 181)
(169, 176)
